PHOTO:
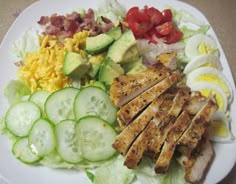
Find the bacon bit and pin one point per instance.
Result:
(65, 26)
(19, 63)
(57, 21)
(106, 20)
(43, 20)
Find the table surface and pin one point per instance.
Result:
(220, 14)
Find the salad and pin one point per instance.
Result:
(61, 113)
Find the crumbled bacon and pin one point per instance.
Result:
(65, 26)
(43, 20)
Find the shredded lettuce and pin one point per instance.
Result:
(188, 32)
(112, 10)
(28, 42)
(90, 175)
(115, 173)
(15, 91)
(182, 16)
(146, 174)
(5, 131)
(53, 160)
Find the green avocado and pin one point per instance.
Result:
(119, 50)
(75, 65)
(109, 70)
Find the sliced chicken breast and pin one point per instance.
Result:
(164, 127)
(128, 135)
(195, 103)
(136, 151)
(128, 112)
(198, 163)
(164, 159)
(127, 87)
(197, 128)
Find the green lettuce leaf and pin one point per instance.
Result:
(112, 10)
(15, 91)
(188, 32)
(182, 16)
(146, 174)
(5, 131)
(28, 42)
(115, 173)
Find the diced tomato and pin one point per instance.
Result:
(154, 15)
(139, 28)
(149, 22)
(164, 29)
(154, 32)
(167, 15)
(174, 36)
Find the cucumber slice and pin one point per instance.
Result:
(39, 98)
(95, 137)
(67, 146)
(94, 101)
(41, 138)
(21, 117)
(22, 152)
(59, 105)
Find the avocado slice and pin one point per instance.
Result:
(115, 33)
(98, 44)
(109, 70)
(120, 47)
(74, 65)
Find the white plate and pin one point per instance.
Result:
(15, 172)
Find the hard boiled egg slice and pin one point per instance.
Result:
(208, 88)
(209, 60)
(211, 75)
(200, 44)
(220, 130)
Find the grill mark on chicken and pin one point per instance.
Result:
(195, 103)
(197, 127)
(127, 136)
(127, 87)
(140, 145)
(196, 165)
(163, 161)
(140, 102)
(163, 128)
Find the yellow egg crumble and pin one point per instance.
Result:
(43, 69)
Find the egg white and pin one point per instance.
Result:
(193, 43)
(207, 73)
(203, 60)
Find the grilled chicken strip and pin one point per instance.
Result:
(136, 151)
(127, 113)
(164, 159)
(140, 145)
(163, 128)
(127, 87)
(198, 126)
(127, 136)
(195, 103)
(197, 164)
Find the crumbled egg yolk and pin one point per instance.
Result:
(203, 48)
(218, 128)
(219, 100)
(43, 69)
(214, 79)
(77, 43)
(97, 59)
